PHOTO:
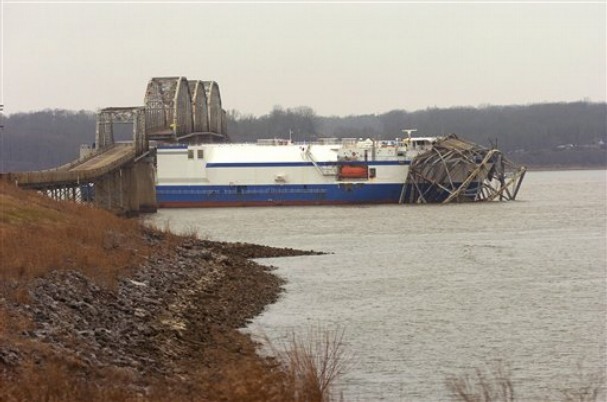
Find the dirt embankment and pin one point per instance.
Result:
(174, 320)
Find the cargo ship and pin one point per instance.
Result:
(281, 172)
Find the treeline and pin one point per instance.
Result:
(46, 139)
(547, 134)
(539, 135)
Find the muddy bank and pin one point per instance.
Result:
(180, 309)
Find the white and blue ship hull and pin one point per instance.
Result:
(266, 195)
(282, 173)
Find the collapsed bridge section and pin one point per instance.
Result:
(455, 170)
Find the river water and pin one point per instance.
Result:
(425, 292)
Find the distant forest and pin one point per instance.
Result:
(547, 135)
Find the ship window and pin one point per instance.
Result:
(372, 172)
(190, 154)
(200, 154)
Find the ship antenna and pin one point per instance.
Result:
(409, 131)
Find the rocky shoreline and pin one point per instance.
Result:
(180, 309)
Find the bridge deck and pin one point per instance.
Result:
(113, 155)
(81, 171)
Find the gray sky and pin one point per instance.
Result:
(339, 59)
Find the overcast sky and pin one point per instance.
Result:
(339, 59)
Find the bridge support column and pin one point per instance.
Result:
(129, 190)
(145, 176)
(109, 191)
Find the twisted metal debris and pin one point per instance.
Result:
(455, 170)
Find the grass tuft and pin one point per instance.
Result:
(313, 363)
(585, 387)
(495, 385)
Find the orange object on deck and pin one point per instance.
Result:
(351, 171)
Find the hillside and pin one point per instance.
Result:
(94, 307)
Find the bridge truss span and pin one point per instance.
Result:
(121, 176)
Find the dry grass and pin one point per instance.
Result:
(59, 380)
(585, 388)
(312, 363)
(303, 369)
(38, 235)
(492, 386)
(496, 385)
(246, 380)
(302, 377)
(189, 231)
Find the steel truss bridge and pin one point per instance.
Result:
(120, 177)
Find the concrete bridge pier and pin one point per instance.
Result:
(109, 192)
(143, 179)
(128, 191)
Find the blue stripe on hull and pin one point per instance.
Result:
(303, 164)
(339, 193)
